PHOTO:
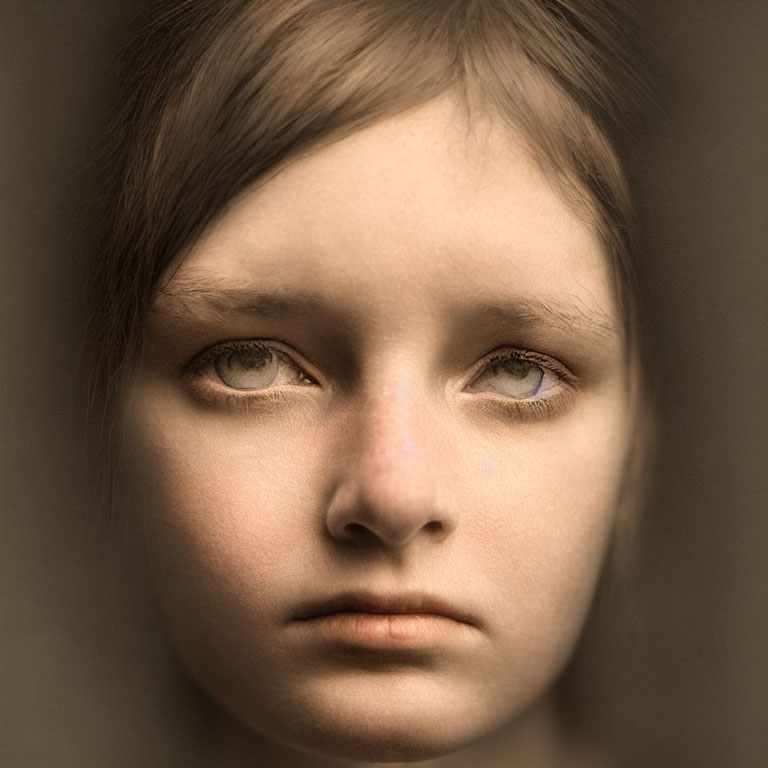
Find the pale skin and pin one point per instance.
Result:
(353, 435)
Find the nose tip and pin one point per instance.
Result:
(357, 515)
(391, 490)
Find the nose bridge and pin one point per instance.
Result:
(390, 478)
(391, 439)
(396, 461)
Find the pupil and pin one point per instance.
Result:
(518, 369)
(251, 359)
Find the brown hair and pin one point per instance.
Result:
(218, 94)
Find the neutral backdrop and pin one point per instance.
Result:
(86, 680)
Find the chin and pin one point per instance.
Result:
(371, 741)
(379, 747)
(395, 721)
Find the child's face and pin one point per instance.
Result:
(379, 431)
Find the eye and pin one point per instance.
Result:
(250, 366)
(519, 376)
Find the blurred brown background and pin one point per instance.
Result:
(84, 679)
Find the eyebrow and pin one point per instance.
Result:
(198, 300)
(529, 313)
(194, 298)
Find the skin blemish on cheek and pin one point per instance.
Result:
(489, 465)
(409, 447)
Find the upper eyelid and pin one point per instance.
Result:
(558, 369)
(202, 359)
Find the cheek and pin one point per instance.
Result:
(548, 506)
(221, 506)
(536, 503)
(234, 511)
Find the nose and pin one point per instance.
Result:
(392, 486)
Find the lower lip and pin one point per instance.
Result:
(386, 630)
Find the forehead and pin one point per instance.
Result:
(421, 209)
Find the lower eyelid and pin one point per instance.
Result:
(220, 396)
(533, 409)
(560, 386)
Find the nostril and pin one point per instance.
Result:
(358, 531)
(370, 510)
(362, 533)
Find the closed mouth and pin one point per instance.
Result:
(416, 604)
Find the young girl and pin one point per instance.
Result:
(366, 354)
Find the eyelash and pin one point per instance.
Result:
(534, 407)
(199, 365)
(525, 407)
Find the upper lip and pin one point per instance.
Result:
(368, 602)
